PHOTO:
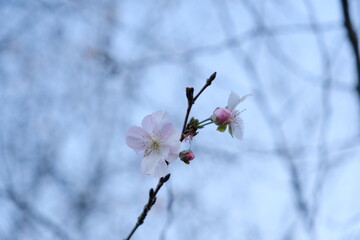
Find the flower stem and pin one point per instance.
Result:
(200, 126)
(204, 121)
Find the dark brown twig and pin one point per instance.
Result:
(352, 38)
(190, 98)
(150, 203)
(208, 83)
(191, 101)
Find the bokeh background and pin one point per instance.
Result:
(74, 75)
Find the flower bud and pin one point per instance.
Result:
(186, 156)
(221, 116)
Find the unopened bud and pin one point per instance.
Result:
(186, 156)
(221, 116)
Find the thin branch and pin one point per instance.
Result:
(323, 151)
(190, 97)
(150, 203)
(208, 83)
(26, 209)
(191, 101)
(353, 39)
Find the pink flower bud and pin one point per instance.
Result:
(186, 156)
(221, 116)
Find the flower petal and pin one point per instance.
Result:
(160, 169)
(148, 163)
(155, 121)
(170, 136)
(230, 131)
(174, 153)
(237, 128)
(134, 139)
(244, 97)
(154, 165)
(234, 100)
(169, 132)
(148, 124)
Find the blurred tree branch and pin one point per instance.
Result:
(353, 39)
(27, 210)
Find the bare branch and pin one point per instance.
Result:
(353, 39)
(191, 101)
(150, 203)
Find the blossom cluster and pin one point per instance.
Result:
(157, 141)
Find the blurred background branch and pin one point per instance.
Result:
(353, 39)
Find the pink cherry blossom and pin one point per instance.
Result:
(157, 141)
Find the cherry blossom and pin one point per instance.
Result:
(157, 141)
(229, 116)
